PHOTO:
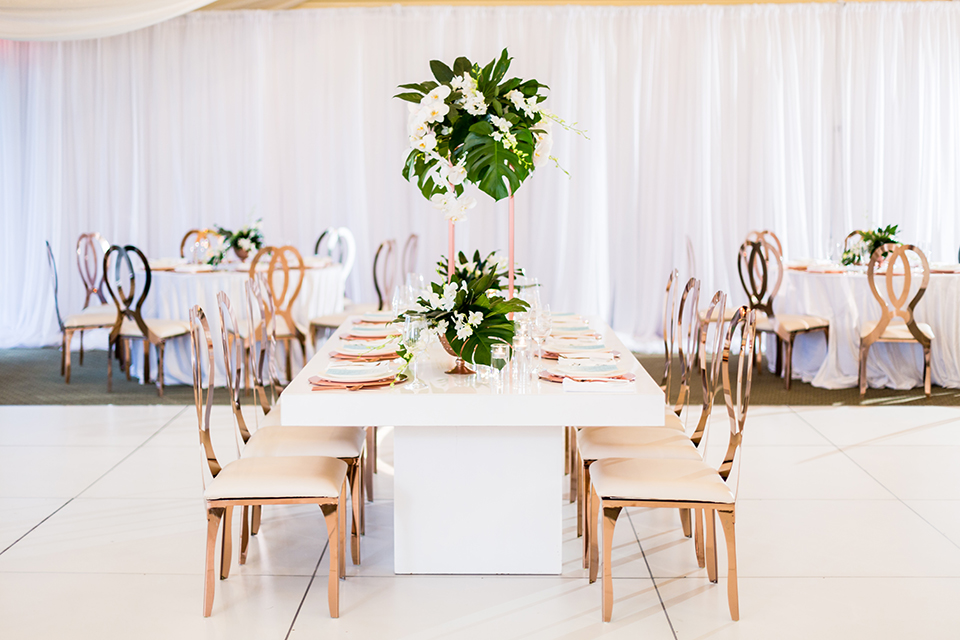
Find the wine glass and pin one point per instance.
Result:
(539, 330)
(414, 326)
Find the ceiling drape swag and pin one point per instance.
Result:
(705, 122)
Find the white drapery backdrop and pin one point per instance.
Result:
(704, 123)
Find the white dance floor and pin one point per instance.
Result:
(848, 527)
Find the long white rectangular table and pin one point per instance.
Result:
(478, 475)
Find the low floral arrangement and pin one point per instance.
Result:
(468, 126)
(869, 242)
(245, 240)
(468, 311)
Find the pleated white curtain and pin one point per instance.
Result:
(704, 123)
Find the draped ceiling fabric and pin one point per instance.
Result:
(704, 123)
(78, 19)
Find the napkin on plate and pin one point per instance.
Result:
(359, 370)
(605, 386)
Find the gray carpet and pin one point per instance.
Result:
(32, 376)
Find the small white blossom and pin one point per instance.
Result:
(457, 174)
(439, 94)
(464, 332)
(245, 244)
(426, 143)
(442, 327)
(435, 111)
(476, 317)
(500, 123)
(496, 135)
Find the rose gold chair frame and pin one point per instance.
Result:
(232, 359)
(756, 259)
(90, 250)
(127, 309)
(766, 237)
(198, 235)
(745, 321)
(410, 250)
(283, 297)
(383, 268)
(201, 342)
(895, 306)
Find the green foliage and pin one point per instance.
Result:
(869, 242)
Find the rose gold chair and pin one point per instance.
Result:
(79, 322)
(338, 244)
(680, 482)
(90, 250)
(595, 443)
(257, 481)
(410, 250)
(118, 264)
(272, 440)
(897, 322)
(759, 262)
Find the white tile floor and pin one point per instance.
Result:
(848, 527)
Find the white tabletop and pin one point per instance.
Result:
(453, 400)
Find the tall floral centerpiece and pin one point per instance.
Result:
(470, 126)
(245, 240)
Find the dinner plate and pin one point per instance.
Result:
(368, 347)
(554, 376)
(358, 371)
(378, 317)
(193, 268)
(372, 331)
(580, 344)
(319, 384)
(588, 369)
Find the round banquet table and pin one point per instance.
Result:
(173, 293)
(846, 301)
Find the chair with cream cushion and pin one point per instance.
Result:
(79, 322)
(760, 267)
(897, 322)
(257, 481)
(597, 443)
(130, 324)
(271, 439)
(681, 483)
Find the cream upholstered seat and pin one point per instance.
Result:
(681, 483)
(295, 477)
(271, 439)
(790, 323)
(90, 320)
(643, 442)
(163, 329)
(897, 322)
(664, 479)
(897, 331)
(97, 309)
(257, 481)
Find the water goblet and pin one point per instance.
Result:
(540, 329)
(413, 338)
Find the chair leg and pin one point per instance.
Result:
(610, 515)
(125, 349)
(583, 508)
(926, 371)
(685, 523)
(864, 353)
(244, 533)
(369, 467)
(571, 463)
(214, 516)
(566, 452)
(331, 517)
(711, 544)
(81, 348)
(110, 350)
(353, 476)
(286, 348)
(788, 362)
(342, 532)
(779, 365)
(255, 519)
(363, 493)
(373, 465)
(160, 350)
(146, 361)
(727, 521)
(593, 511)
(65, 356)
(698, 537)
(226, 546)
(581, 497)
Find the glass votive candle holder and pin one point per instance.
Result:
(499, 357)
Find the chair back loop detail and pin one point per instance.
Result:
(895, 305)
(201, 338)
(90, 250)
(118, 266)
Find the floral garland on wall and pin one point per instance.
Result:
(468, 126)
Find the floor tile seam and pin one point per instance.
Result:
(118, 463)
(646, 562)
(899, 499)
(306, 591)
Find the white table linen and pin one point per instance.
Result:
(173, 294)
(846, 300)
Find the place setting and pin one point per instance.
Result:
(355, 375)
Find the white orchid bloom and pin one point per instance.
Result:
(464, 332)
(496, 135)
(442, 327)
(542, 151)
(435, 111)
(500, 123)
(476, 317)
(476, 106)
(417, 127)
(457, 174)
(517, 99)
(439, 94)
(434, 299)
(442, 201)
(426, 143)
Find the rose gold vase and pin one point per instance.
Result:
(460, 368)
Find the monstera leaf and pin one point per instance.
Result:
(490, 165)
(495, 328)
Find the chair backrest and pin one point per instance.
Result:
(710, 367)
(56, 283)
(118, 268)
(766, 237)
(339, 245)
(201, 350)
(195, 235)
(383, 271)
(855, 235)
(90, 250)
(669, 313)
(895, 305)
(232, 349)
(410, 249)
(263, 343)
(736, 392)
(688, 336)
(286, 266)
(761, 273)
(691, 259)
